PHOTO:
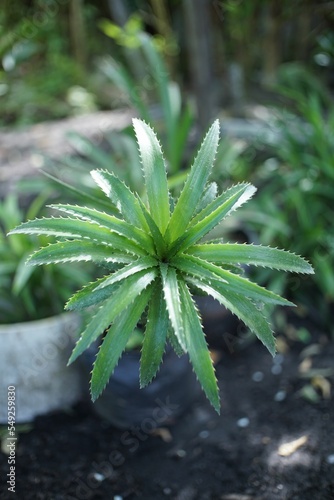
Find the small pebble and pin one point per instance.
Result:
(118, 497)
(181, 453)
(280, 486)
(204, 434)
(280, 396)
(167, 491)
(243, 422)
(99, 477)
(278, 359)
(257, 376)
(276, 369)
(330, 459)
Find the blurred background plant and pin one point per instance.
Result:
(28, 293)
(49, 51)
(263, 64)
(296, 190)
(44, 72)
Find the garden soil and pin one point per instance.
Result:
(274, 439)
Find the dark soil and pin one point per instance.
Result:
(77, 455)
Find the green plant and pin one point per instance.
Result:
(118, 150)
(297, 191)
(155, 244)
(175, 117)
(40, 71)
(27, 293)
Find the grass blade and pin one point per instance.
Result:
(178, 141)
(88, 149)
(160, 76)
(85, 197)
(124, 81)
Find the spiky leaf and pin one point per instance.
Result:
(228, 281)
(172, 339)
(194, 185)
(78, 250)
(90, 295)
(243, 308)
(154, 172)
(170, 284)
(155, 337)
(110, 222)
(127, 293)
(257, 255)
(73, 228)
(129, 270)
(216, 211)
(158, 239)
(197, 348)
(115, 341)
(121, 196)
(155, 259)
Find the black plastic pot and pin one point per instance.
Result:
(220, 325)
(125, 405)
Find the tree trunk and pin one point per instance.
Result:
(120, 14)
(77, 28)
(198, 42)
(271, 45)
(303, 33)
(163, 26)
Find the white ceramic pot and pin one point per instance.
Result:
(33, 359)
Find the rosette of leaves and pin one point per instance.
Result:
(157, 261)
